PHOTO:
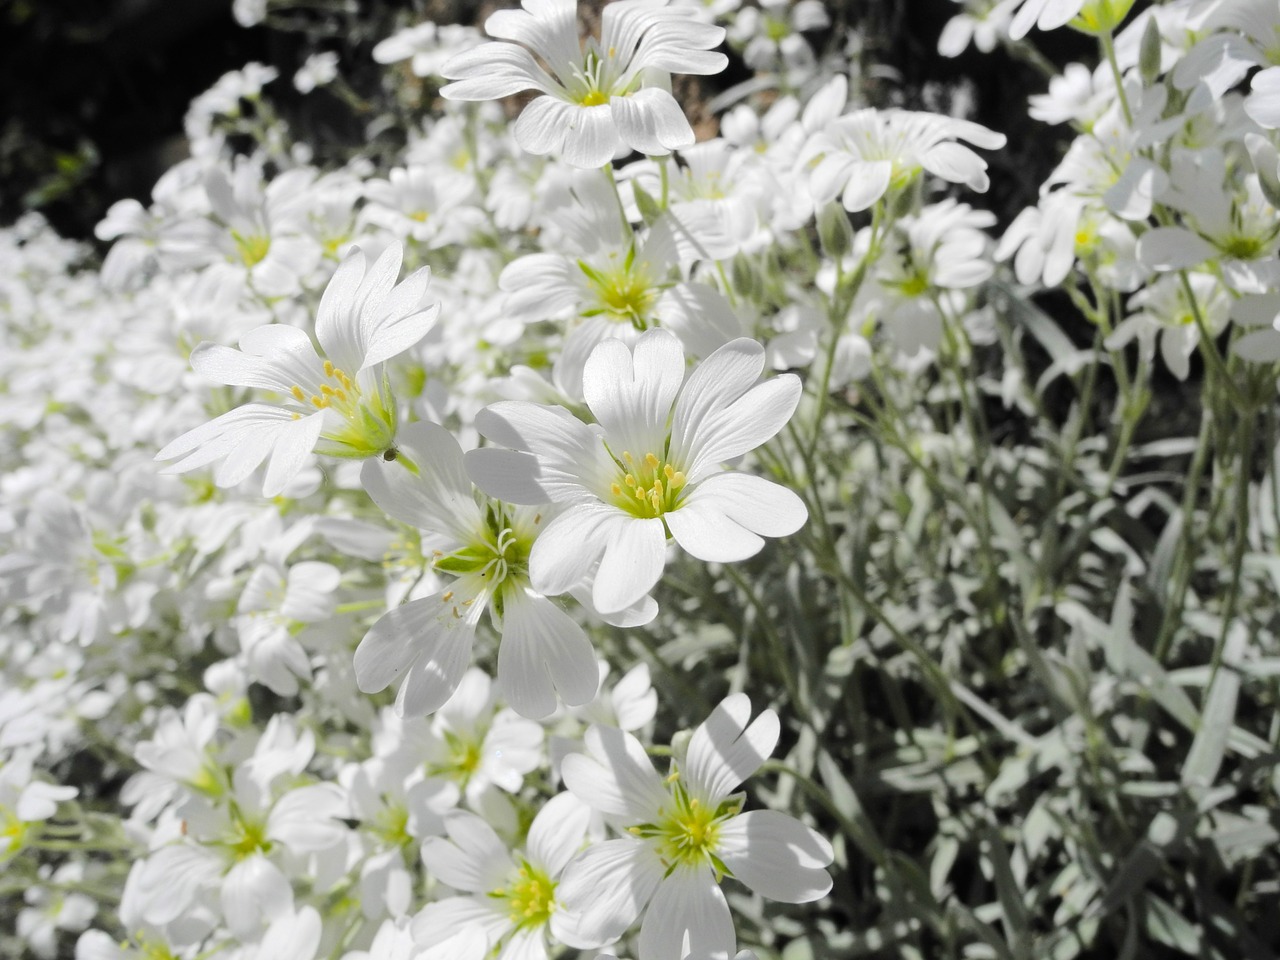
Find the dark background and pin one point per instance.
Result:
(92, 92)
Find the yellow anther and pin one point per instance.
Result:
(677, 480)
(341, 395)
(326, 390)
(626, 455)
(447, 596)
(317, 401)
(668, 471)
(456, 614)
(651, 461)
(467, 603)
(655, 501)
(617, 490)
(675, 775)
(640, 493)
(629, 480)
(328, 368)
(298, 394)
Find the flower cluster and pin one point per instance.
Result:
(372, 532)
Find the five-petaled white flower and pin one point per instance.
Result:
(611, 96)
(426, 643)
(512, 893)
(649, 468)
(683, 833)
(340, 406)
(862, 155)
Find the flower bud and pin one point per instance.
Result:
(648, 207)
(834, 231)
(1266, 162)
(1149, 53)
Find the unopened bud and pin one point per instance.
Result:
(648, 207)
(834, 231)
(1150, 52)
(1266, 162)
(747, 282)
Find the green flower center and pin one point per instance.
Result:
(688, 833)
(368, 422)
(530, 897)
(252, 249)
(623, 292)
(13, 832)
(647, 487)
(250, 838)
(391, 825)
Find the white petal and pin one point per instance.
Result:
(525, 944)
(336, 326)
(439, 498)
(616, 776)
(776, 855)
(1173, 248)
(603, 890)
(292, 937)
(867, 183)
(1263, 105)
(172, 877)
(703, 531)
(591, 139)
(254, 892)
(651, 122)
(630, 392)
(557, 833)
(507, 475)
(830, 177)
(492, 71)
(306, 820)
(634, 557)
(760, 505)
(543, 651)
(569, 547)
(424, 642)
(689, 905)
(441, 921)
(294, 441)
(473, 859)
(567, 449)
(724, 750)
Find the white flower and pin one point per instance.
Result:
(610, 97)
(648, 469)
(319, 70)
(24, 802)
(340, 406)
(421, 203)
(863, 155)
(512, 894)
(1090, 15)
(983, 23)
(771, 36)
(428, 46)
(1164, 310)
(271, 608)
(50, 910)
(485, 546)
(683, 833)
(1233, 225)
